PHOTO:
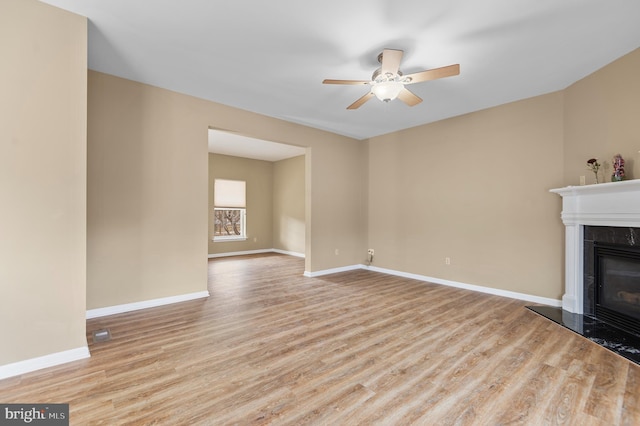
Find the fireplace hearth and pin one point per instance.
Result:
(614, 339)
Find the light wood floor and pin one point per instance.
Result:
(273, 347)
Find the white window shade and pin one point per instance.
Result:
(229, 193)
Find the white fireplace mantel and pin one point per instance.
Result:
(605, 204)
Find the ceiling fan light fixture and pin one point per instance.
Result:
(387, 90)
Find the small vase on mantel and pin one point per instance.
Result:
(618, 168)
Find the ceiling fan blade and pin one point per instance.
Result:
(391, 61)
(433, 74)
(359, 102)
(329, 81)
(409, 97)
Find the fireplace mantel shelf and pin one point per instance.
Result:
(602, 188)
(604, 204)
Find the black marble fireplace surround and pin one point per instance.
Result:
(605, 237)
(597, 324)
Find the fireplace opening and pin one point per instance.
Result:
(617, 286)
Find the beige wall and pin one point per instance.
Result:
(259, 178)
(148, 190)
(602, 119)
(42, 180)
(288, 205)
(475, 189)
(335, 205)
(147, 194)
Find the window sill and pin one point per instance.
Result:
(222, 240)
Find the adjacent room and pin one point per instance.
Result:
(267, 184)
(334, 213)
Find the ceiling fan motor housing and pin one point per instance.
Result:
(375, 77)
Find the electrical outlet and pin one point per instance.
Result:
(337, 252)
(370, 252)
(582, 180)
(447, 261)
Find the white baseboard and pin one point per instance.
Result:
(331, 271)
(51, 360)
(128, 307)
(289, 253)
(243, 253)
(472, 287)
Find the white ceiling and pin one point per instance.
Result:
(271, 57)
(227, 143)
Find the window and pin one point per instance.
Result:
(229, 224)
(229, 213)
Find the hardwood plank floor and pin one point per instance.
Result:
(270, 346)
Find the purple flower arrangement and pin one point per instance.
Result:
(618, 168)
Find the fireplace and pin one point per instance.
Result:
(607, 213)
(616, 289)
(602, 266)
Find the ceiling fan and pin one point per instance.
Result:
(387, 82)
